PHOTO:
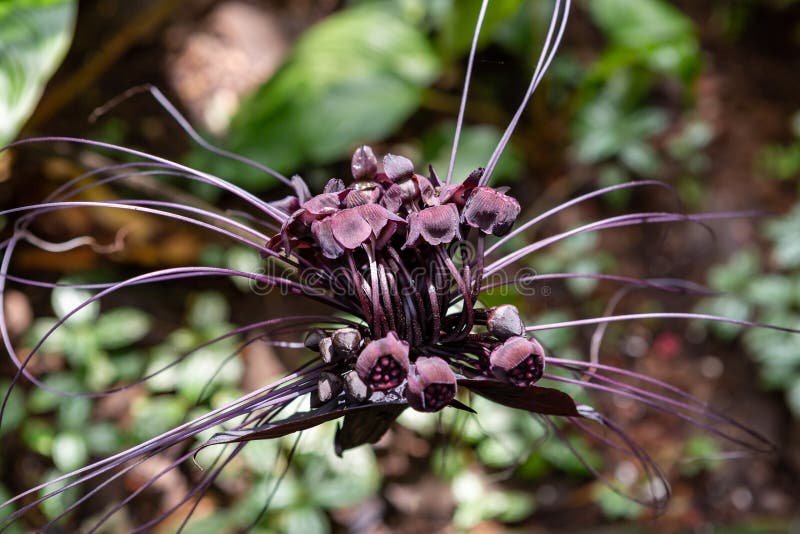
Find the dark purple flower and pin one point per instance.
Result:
(435, 225)
(383, 364)
(490, 211)
(431, 384)
(519, 361)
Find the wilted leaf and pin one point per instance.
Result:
(34, 36)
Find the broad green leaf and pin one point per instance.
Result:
(66, 299)
(351, 79)
(34, 36)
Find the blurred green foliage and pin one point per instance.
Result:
(748, 292)
(352, 78)
(34, 37)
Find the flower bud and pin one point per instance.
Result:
(346, 341)
(397, 168)
(326, 349)
(431, 385)
(313, 338)
(519, 361)
(504, 322)
(364, 164)
(328, 386)
(383, 364)
(354, 387)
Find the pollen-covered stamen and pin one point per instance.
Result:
(490, 211)
(504, 321)
(431, 384)
(519, 361)
(383, 364)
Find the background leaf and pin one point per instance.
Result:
(34, 36)
(353, 78)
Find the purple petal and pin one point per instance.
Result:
(323, 233)
(490, 211)
(439, 224)
(324, 204)
(350, 229)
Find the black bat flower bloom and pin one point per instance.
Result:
(401, 258)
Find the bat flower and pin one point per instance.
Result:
(405, 327)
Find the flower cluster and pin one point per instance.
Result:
(402, 240)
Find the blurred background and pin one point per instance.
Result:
(704, 96)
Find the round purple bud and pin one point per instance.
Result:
(364, 164)
(504, 322)
(397, 168)
(519, 361)
(383, 364)
(346, 341)
(431, 385)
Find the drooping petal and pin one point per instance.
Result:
(436, 225)
(392, 198)
(323, 234)
(431, 384)
(350, 229)
(490, 211)
(519, 361)
(324, 204)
